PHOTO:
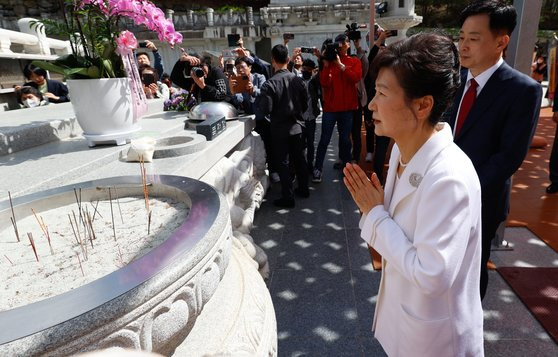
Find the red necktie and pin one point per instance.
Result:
(466, 105)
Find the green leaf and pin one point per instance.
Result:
(107, 64)
(50, 67)
(93, 72)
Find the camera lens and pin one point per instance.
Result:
(198, 72)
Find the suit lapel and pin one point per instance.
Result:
(490, 92)
(418, 166)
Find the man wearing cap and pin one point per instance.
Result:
(340, 98)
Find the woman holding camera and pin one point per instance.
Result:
(152, 87)
(427, 222)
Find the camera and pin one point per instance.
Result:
(330, 52)
(307, 49)
(352, 31)
(233, 39)
(148, 79)
(198, 72)
(143, 44)
(288, 36)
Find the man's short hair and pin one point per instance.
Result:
(280, 54)
(142, 54)
(503, 17)
(341, 38)
(244, 59)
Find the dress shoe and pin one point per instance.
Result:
(284, 203)
(552, 188)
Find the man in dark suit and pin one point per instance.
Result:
(495, 112)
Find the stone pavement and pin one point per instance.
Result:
(324, 288)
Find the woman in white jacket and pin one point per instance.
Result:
(426, 224)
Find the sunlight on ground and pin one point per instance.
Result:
(287, 295)
(303, 244)
(350, 314)
(268, 244)
(327, 334)
(276, 226)
(294, 266)
(333, 268)
(335, 226)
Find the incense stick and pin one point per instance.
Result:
(95, 212)
(80, 266)
(73, 230)
(5, 256)
(148, 222)
(13, 217)
(30, 236)
(112, 215)
(118, 202)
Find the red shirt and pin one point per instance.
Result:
(339, 89)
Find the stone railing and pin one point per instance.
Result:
(30, 42)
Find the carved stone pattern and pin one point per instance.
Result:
(255, 331)
(172, 312)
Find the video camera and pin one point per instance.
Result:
(352, 31)
(330, 52)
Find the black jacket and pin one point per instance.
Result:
(284, 98)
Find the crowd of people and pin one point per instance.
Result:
(461, 122)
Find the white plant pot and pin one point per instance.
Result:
(103, 109)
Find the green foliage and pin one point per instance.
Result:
(92, 36)
(226, 8)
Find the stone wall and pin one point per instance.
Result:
(12, 10)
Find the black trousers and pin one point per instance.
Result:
(263, 128)
(287, 148)
(310, 136)
(489, 227)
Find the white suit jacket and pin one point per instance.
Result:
(429, 234)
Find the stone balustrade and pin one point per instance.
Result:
(33, 42)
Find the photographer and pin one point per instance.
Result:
(152, 87)
(245, 86)
(259, 66)
(143, 57)
(338, 78)
(208, 83)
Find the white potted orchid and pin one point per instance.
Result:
(101, 73)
